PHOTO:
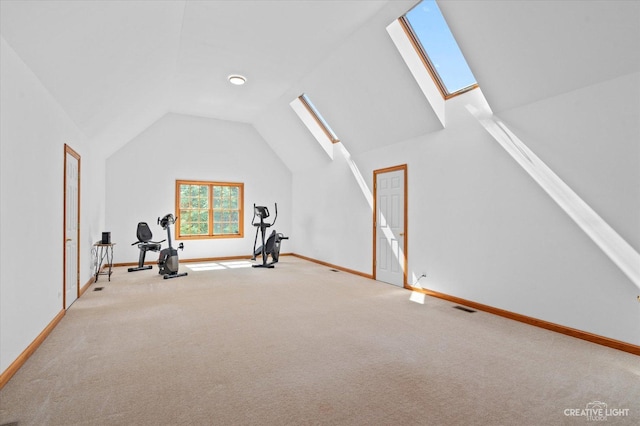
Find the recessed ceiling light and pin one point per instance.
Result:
(238, 80)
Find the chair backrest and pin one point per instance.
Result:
(144, 232)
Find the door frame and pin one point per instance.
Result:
(402, 167)
(74, 154)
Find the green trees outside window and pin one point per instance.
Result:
(209, 209)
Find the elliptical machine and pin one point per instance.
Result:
(272, 245)
(168, 261)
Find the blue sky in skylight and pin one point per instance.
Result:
(319, 116)
(435, 36)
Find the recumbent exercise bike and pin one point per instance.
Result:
(145, 244)
(168, 262)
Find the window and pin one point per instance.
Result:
(319, 119)
(432, 38)
(209, 209)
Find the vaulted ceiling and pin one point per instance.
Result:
(118, 66)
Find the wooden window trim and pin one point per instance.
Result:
(210, 185)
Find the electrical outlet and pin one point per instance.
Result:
(423, 275)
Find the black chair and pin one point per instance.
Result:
(145, 244)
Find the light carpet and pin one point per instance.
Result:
(304, 345)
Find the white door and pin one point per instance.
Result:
(390, 226)
(71, 227)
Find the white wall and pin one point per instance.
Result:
(333, 215)
(141, 181)
(591, 137)
(33, 131)
(481, 227)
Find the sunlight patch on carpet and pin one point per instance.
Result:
(214, 266)
(417, 297)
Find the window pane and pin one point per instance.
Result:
(319, 118)
(184, 226)
(203, 227)
(438, 43)
(194, 216)
(225, 214)
(217, 228)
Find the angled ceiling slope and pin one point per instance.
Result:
(362, 88)
(116, 67)
(109, 64)
(524, 51)
(272, 43)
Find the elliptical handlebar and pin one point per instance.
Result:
(275, 218)
(263, 212)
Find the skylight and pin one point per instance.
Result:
(318, 117)
(315, 123)
(442, 56)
